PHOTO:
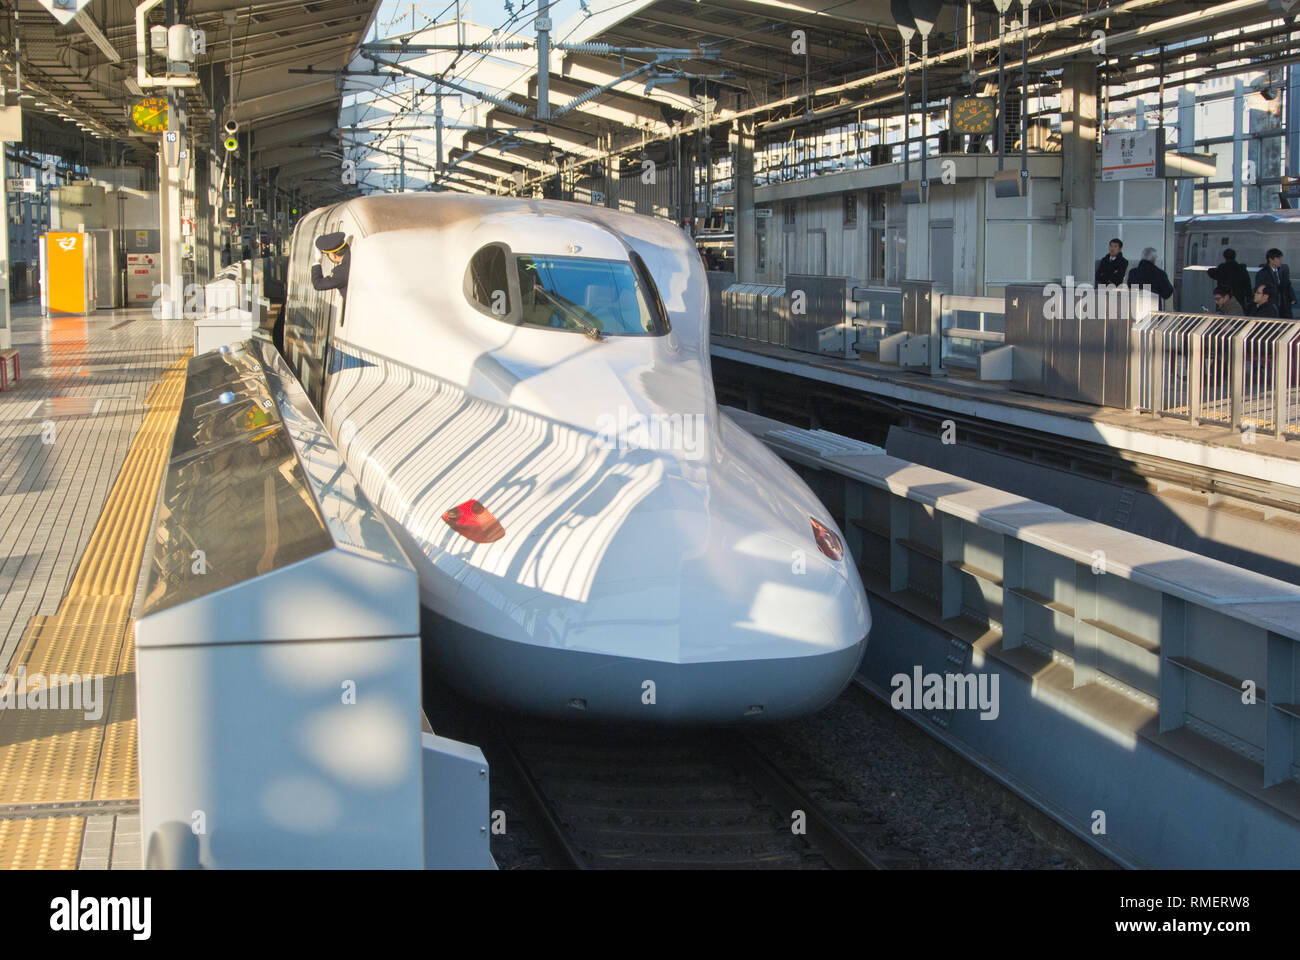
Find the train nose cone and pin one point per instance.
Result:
(730, 607)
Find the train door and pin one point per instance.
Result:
(298, 317)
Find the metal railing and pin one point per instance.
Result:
(1137, 633)
(971, 325)
(1240, 372)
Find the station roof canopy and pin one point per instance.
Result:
(634, 74)
(80, 77)
(730, 61)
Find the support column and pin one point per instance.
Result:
(1186, 144)
(742, 180)
(169, 220)
(613, 165)
(1238, 141)
(6, 322)
(1292, 120)
(1079, 162)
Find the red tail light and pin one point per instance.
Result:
(475, 522)
(828, 541)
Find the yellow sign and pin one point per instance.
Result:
(65, 260)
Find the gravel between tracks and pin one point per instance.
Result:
(876, 771)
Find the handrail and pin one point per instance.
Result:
(1239, 372)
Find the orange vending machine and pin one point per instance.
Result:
(67, 273)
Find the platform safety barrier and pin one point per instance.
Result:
(278, 652)
(1238, 372)
(1146, 660)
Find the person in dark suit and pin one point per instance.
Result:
(335, 247)
(1277, 275)
(1150, 277)
(1112, 267)
(1232, 275)
(1265, 300)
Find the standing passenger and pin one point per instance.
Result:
(1111, 268)
(1232, 275)
(1150, 277)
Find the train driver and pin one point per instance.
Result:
(335, 247)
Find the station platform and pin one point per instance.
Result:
(84, 436)
(1205, 445)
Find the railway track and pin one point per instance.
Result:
(699, 799)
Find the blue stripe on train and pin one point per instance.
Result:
(339, 360)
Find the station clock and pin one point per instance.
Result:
(149, 114)
(973, 115)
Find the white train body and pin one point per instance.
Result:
(651, 561)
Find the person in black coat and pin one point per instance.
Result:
(1277, 275)
(1232, 275)
(1150, 277)
(1265, 300)
(335, 247)
(1111, 268)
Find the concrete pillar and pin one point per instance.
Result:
(170, 187)
(1079, 163)
(612, 164)
(1186, 144)
(742, 179)
(6, 322)
(1238, 141)
(1292, 120)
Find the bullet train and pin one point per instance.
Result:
(523, 388)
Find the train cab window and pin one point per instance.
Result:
(585, 295)
(488, 280)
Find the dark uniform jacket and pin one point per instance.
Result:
(1266, 309)
(1111, 271)
(337, 280)
(1280, 280)
(1147, 274)
(1233, 276)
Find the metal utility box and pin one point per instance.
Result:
(108, 273)
(1060, 350)
(921, 320)
(812, 304)
(143, 271)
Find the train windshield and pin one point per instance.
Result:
(595, 297)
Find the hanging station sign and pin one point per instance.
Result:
(1132, 155)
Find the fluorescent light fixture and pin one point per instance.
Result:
(87, 23)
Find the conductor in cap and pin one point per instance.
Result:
(335, 247)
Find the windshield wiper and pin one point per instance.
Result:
(589, 329)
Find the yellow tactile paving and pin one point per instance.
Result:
(51, 843)
(54, 755)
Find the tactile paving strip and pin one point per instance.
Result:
(73, 754)
(52, 843)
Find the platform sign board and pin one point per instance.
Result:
(1131, 155)
(65, 10)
